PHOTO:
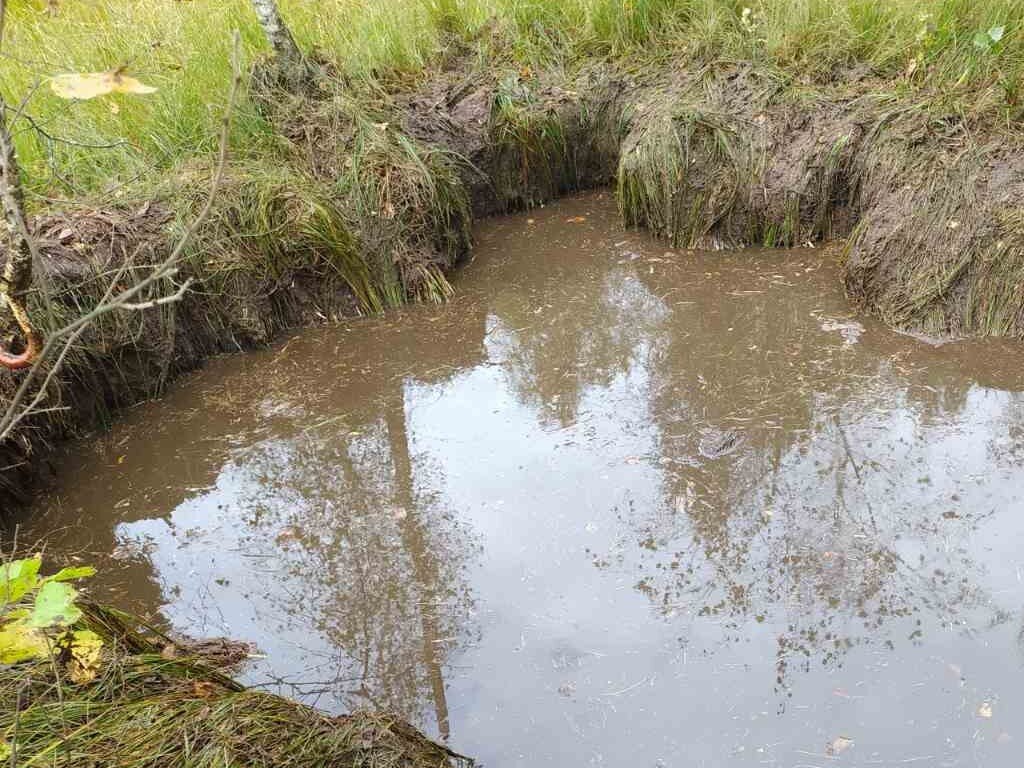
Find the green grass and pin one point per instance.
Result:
(145, 709)
(270, 223)
(664, 188)
(182, 47)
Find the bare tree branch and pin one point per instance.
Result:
(168, 299)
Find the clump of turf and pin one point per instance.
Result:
(940, 243)
(151, 708)
(403, 199)
(681, 174)
(270, 226)
(409, 206)
(551, 134)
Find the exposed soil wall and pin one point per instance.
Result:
(371, 202)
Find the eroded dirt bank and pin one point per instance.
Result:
(371, 200)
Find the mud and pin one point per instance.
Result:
(614, 504)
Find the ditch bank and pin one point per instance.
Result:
(111, 690)
(370, 200)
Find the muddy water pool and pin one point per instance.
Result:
(613, 505)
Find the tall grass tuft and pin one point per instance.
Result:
(681, 174)
(270, 223)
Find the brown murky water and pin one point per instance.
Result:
(611, 506)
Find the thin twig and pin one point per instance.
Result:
(37, 128)
(169, 299)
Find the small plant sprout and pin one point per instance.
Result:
(986, 41)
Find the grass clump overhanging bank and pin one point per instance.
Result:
(887, 125)
(83, 685)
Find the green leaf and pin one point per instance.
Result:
(20, 642)
(17, 578)
(981, 41)
(996, 33)
(55, 606)
(72, 574)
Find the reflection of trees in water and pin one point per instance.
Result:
(553, 352)
(315, 532)
(812, 525)
(380, 564)
(339, 550)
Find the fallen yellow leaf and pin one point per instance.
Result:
(20, 642)
(85, 656)
(89, 85)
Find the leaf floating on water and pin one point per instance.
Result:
(89, 85)
(576, 220)
(985, 710)
(838, 745)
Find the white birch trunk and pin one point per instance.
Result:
(277, 32)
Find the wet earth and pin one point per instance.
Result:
(612, 506)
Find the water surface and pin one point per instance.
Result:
(613, 505)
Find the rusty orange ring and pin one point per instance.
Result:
(33, 342)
